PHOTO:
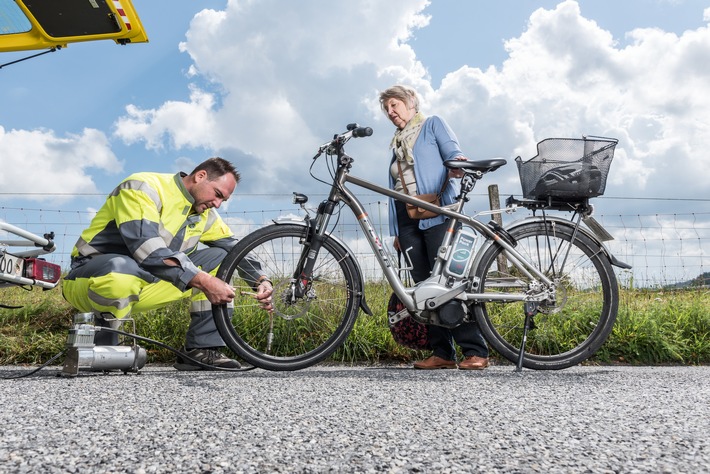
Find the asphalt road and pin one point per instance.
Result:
(358, 419)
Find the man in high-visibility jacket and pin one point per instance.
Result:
(140, 252)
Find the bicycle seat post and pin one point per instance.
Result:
(469, 180)
(451, 231)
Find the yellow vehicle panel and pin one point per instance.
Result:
(46, 24)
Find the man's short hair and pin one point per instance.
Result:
(217, 167)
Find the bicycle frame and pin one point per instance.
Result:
(390, 273)
(340, 193)
(540, 265)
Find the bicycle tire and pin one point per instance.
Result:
(302, 333)
(570, 329)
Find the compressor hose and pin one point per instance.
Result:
(12, 377)
(138, 338)
(172, 349)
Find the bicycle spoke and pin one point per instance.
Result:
(301, 330)
(579, 317)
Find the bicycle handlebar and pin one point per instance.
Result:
(359, 131)
(354, 131)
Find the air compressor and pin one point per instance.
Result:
(82, 353)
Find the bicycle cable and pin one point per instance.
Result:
(333, 169)
(310, 172)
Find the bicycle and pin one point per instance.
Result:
(542, 290)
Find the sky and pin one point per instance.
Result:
(264, 83)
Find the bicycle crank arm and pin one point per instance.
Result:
(435, 302)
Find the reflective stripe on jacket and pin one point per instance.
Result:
(147, 217)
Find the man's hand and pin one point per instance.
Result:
(216, 290)
(263, 295)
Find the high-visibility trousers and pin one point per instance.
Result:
(116, 284)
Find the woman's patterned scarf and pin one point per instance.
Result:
(403, 141)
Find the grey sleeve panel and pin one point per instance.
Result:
(150, 249)
(226, 243)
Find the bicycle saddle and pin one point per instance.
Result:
(484, 166)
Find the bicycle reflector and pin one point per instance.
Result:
(39, 269)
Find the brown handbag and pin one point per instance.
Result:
(416, 212)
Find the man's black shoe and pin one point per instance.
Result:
(207, 355)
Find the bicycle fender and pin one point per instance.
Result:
(564, 222)
(363, 304)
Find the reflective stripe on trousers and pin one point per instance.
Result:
(115, 284)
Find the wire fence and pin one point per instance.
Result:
(665, 249)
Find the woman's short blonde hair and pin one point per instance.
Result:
(404, 93)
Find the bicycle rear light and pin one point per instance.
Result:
(38, 269)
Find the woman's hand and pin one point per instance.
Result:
(457, 173)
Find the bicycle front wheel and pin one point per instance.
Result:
(573, 325)
(301, 331)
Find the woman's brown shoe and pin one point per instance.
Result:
(474, 363)
(435, 362)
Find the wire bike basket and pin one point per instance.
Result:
(570, 169)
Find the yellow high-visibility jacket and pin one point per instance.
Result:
(147, 217)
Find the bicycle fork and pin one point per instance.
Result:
(303, 275)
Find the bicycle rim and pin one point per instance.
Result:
(300, 332)
(569, 329)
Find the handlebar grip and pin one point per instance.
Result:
(362, 132)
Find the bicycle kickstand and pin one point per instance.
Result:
(531, 309)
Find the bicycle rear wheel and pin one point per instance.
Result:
(300, 332)
(568, 329)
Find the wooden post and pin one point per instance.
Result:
(494, 202)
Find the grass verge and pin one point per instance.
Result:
(652, 327)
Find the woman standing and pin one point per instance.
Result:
(420, 146)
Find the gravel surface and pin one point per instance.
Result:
(358, 419)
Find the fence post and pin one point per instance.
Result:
(494, 202)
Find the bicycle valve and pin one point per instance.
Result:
(270, 335)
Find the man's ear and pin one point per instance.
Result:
(201, 175)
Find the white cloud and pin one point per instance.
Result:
(272, 80)
(242, 226)
(37, 161)
(184, 124)
(282, 84)
(287, 82)
(566, 77)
